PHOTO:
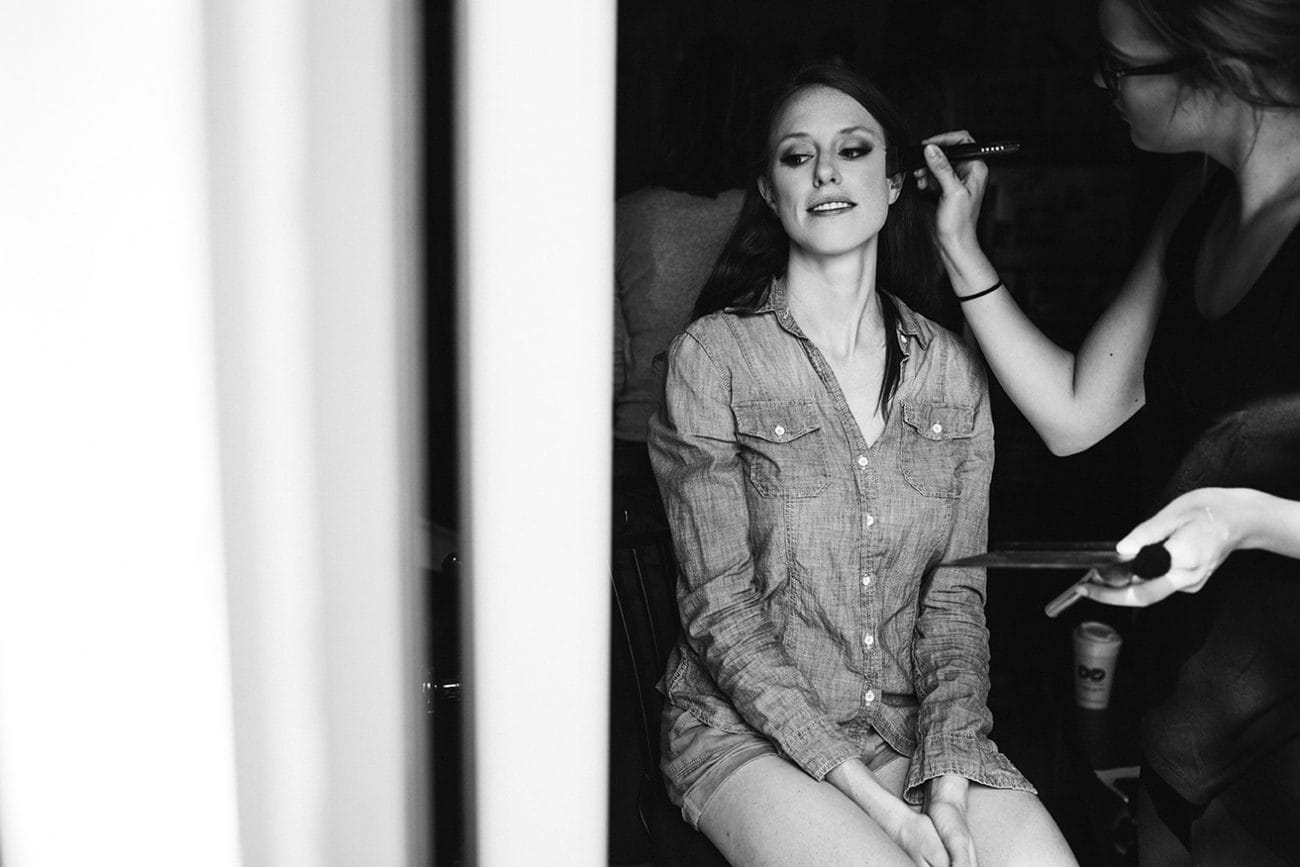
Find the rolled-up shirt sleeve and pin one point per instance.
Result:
(697, 460)
(950, 647)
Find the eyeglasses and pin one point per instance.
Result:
(1111, 70)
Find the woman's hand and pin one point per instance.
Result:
(1199, 529)
(916, 834)
(913, 832)
(945, 804)
(960, 188)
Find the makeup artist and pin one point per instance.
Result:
(1206, 322)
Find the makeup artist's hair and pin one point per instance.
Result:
(1261, 36)
(758, 248)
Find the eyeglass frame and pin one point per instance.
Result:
(1112, 71)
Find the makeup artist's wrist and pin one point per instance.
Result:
(970, 272)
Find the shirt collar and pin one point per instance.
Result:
(910, 325)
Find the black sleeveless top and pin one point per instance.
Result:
(1222, 666)
(1199, 369)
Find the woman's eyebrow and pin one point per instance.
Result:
(845, 131)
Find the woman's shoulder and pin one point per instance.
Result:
(729, 335)
(714, 329)
(951, 360)
(930, 331)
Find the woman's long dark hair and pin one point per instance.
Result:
(758, 250)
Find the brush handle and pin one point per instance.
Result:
(1066, 599)
(911, 158)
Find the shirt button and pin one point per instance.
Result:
(870, 520)
(869, 640)
(870, 696)
(862, 460)
(780, 431)
(938, 428)
(866, 580)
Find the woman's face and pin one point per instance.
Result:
(826, 174)
(1163, 115)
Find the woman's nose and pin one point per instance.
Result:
(826, 172)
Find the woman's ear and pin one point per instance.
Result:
(895, 187)
(765, 190)
(1236, 73)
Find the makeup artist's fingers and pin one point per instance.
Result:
(960, 193)
(941, 170)
(1138, 595)
(1198, 531)
(1157, 528)
(1210, 513)
(951, 137)
(924, 180)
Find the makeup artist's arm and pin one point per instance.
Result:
(1200, 529)
(1073, 399)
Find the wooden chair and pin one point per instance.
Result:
(644, 629)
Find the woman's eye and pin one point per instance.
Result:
(794, 159)
(855, 152)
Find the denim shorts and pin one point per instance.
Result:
(698, 758)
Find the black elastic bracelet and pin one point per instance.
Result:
(995, 287)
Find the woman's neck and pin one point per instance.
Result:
(1264, 154)
(834, 299)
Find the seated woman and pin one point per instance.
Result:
(821, 447)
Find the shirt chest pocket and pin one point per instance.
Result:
(936, 441)
(783, 447)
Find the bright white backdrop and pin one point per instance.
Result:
(535, 136)
(208, 457)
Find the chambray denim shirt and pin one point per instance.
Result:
(811, 605)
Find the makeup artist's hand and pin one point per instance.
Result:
(1199, 529)
(960, 188)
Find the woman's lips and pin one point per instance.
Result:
(831, 207)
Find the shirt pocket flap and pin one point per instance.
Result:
(939, 421)
(777, 421)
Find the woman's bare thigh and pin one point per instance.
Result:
(1014, 828)
(770, 812)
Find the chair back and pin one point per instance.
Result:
(645, 627)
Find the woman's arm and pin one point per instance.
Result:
(950, 643)
(950, 654)
(1200, 529)
(1073, 399)
(697, 461)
